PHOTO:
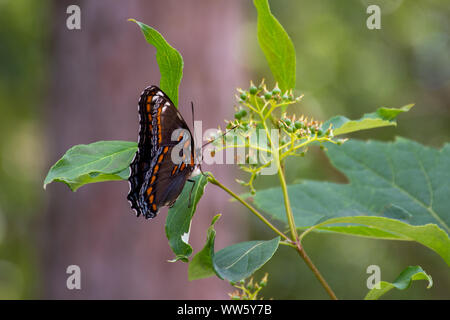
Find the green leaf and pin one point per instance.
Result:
(276, 45)
(95, 162)
(201, 265)
(169, 61)
(402, 282)
(241, 260)
(429, 235)
(381, 118)
(232, 263)
(402, 180)
(179, 218)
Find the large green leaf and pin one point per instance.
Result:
(381, 118)
(402, 282)
(169, 61)
(428, 235)
(201, 265)
(401, 179)
(179, 218)
(95, 162)
(276, 45)
(241, 260)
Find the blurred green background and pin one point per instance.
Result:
(23, 72)
(342, 68)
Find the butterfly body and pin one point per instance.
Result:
(165, 157)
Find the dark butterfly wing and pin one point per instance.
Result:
(157, 180)
(142, 158)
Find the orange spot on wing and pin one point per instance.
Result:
(174, 169)
(149, 98)
(151, 198)
(148, 108)
(154, 207)
(166, 149)
(160, 158)
(153, 179)
(182, 166)
(149, 190)
(159, 124)
(155, 170)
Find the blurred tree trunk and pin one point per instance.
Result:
(98, 73)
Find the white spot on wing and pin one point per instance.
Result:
(185, 237)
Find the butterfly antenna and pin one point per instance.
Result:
(199, 165)
(193, 117)
(221, 136)
(192, 108)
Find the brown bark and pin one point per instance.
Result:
(98, 73)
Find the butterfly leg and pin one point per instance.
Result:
(204, 174)
(199, 166)
(190, 193)
(172, 203)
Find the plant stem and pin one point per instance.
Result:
(289, 244)
(316, 272)
(299, 247)
(294, 241)
(276, 155)
(287, 204)
(248, 206)
(293, 228)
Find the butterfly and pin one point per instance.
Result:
(164, 160)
